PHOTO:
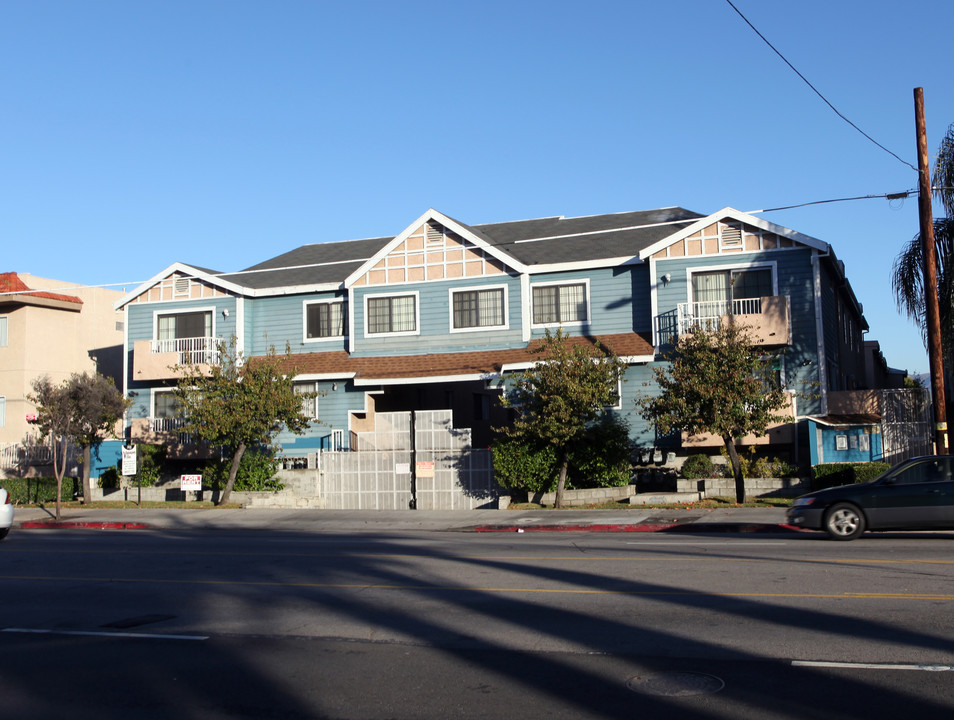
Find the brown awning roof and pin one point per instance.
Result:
(489, 362)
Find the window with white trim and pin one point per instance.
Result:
(3, 411)
(325, 319)
(477, 308)
(309, 405)
(392, 314)
(3, 331)
(725, 285)
(179, 326)
(559, 304)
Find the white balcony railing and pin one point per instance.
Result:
(706, 315)
(190, 350)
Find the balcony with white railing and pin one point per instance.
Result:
(154, 359)
(765, 318)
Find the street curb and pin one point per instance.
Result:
(674, 527)
(69, 525)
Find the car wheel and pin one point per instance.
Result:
(3, 532)
(844, 522)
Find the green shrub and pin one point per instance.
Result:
(601, 459)
(151, 463)
(834, 474)
(42, 490)
(256, 472)
(697, 467)
(758, 467)
(519, 466)
(109, 479)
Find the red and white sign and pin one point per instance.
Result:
(190, 482)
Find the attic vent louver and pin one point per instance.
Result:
(181, 286)
(434, 232)
(732, 236)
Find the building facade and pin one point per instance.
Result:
(54, 328)
(435, 317)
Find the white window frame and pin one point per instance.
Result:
(330, 338)
(312, 386)
(451, 292)
(183, 311)
(585, 282)
(377, 296)
(3, 411)
(152, 400)
(730, 268)
(4, 330)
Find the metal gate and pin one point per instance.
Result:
(907, 421)
(410, 460)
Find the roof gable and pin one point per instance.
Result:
(433, 247)
(729, 231)
(180, 282)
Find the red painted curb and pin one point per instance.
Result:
(53, 524)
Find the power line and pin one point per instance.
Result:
(889, 196)
(815, 90)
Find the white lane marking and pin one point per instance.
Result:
(89, 633)
(873, 666)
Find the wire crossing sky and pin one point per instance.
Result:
(221, 133)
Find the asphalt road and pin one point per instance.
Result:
(193, 624)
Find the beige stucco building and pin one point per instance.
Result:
(55, 328)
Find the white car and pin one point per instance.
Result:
(6, 513)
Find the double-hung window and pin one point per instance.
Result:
(475, 309)
(560, 304)
(309, 405)
(324, 320)
(392, 314)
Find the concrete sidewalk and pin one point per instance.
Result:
(379, 521)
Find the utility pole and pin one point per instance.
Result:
(929, 257)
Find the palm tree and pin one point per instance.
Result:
(907, 279)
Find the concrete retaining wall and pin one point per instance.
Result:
(754, 487)
(588, 496)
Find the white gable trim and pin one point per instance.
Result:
(729, 213)
(210, 278)
(447, 222)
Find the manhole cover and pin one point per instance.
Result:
(675, 684)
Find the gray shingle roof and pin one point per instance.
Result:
(540, 241)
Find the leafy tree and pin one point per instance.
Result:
(907, 280)
(715, 383)
(84, 408)
(54, 417)
(558, 398)
(238, 405)
(96, 407)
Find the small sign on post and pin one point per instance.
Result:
(129, 461)
(190, 483)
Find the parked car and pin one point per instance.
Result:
(6, 513)
(918, 494)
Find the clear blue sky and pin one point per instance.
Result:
(137, 134)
